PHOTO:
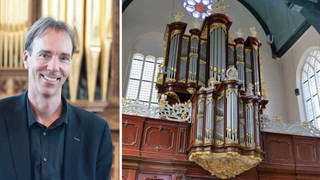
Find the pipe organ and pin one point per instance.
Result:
(222, 78)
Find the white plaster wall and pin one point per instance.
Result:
(153, 19)
(292, 63)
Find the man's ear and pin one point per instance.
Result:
(26, 57)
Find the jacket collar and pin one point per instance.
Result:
(72, 145)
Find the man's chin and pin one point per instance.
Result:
(49, 92)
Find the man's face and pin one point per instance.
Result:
(49, 63)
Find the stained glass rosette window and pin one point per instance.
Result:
(199, 8)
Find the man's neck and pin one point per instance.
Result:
(45, 109)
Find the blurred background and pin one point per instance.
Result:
(93, 83)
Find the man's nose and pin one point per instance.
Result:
(53, 64)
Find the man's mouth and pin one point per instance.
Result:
(50, 79)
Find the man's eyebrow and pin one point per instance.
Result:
(65, 54)
(50, 52)
(45, 51)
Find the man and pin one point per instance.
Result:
(41, 135)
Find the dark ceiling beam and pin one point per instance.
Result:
(125, 4)
(309, 9)
(262, 23)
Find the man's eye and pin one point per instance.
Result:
(46, 56)
(65, 58)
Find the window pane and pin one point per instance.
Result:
(309, 110)
(150, 59)
(156, 73)
(145, 91)
(136, 68)
(138, 56)
(148, 71)
(316, 104)
(133, 88)
(306, 91)
(304, 77)
(313, 86)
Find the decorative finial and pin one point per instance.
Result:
(249, 89)
(163, 100)
(126, 101)
(196, 24)
(232, 73)
(178, 15)
(239, 33)
(220, 7)
(253, 31)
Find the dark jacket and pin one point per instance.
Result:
(87, 150)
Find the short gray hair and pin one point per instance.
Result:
(40, 27)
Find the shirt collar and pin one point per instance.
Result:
(63, 118)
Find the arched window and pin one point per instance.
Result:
(310, 80)
(142, 79)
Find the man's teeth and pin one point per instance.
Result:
(50, 78)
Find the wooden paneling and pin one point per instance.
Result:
(306, 151)
(160, 147)
(159, 138)
(154, 177)
(279, 148)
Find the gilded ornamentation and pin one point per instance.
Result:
(220, 7)
(160, 79)
(173, 95)
(264, 90)
(215, 26)
(232, 73)
(177, 112)
(178, 15)
(249, 89)
(231, 90)
(271, 124)
(279, 119)
(168, 79)
(239, 33)
(253, 31)
(191, 90)
(224, 165)
(163, 100)
(174, 32)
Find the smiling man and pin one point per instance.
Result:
(41, 135)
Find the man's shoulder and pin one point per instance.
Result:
(88, 119)
(7, 102)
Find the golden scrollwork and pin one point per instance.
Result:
(231, 90)
(173, 95)
(160, 79)
(191, 90)
(239, 46)
(174, 32)
(195, 37)
(182, 81)
(224, 165)
(231, 141)
(184, 58)
(215, 26)
(168, 79)
(204, 32)
(202, 62)
(185, 38)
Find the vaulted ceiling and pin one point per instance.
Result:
(285, 20)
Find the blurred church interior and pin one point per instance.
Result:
(93, 83)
